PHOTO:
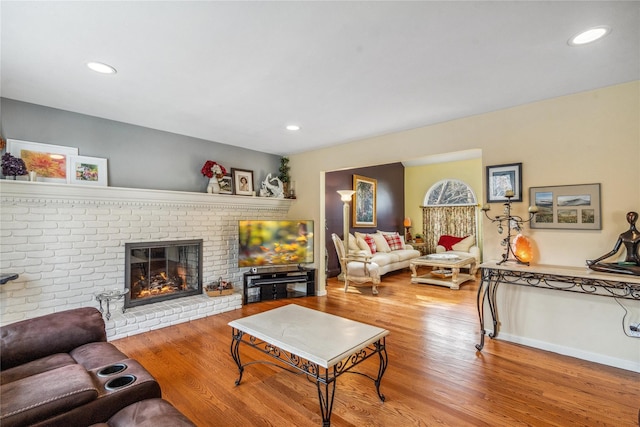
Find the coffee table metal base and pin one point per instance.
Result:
(325, 378)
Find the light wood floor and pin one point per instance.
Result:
(435, 376)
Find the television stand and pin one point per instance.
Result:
(277, 283)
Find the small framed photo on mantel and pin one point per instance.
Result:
(83, 170)
(226, 185)
(242, 182)
(503, 181)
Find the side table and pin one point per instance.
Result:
(108, 296)
(422, 247)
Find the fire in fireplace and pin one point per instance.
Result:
(158, 271)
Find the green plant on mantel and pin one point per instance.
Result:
(284, 170)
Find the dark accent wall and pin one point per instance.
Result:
(390, 203)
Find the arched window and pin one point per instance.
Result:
(450, 207)
(450, 192)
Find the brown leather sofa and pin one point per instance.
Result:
(59, 370)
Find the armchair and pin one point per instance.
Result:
(356, 268)
(463, 246)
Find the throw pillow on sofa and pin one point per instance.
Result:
(370, 241)
(381, 242)
(362, 245)
(448, 241)
(394, 241)
(353, 243)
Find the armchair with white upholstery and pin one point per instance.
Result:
(357, 268)
(461, 246)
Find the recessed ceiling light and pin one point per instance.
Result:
(589, 36)
(293, 127)
(99, 67)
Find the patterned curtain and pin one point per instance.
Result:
(452, 220)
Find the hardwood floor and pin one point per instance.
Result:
(435, 376)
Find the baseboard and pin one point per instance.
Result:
(573, 352)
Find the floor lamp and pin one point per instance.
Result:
(345, 196)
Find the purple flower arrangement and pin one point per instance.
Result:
(13, 166)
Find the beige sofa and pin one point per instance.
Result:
(391, 253)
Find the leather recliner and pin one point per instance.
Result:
(59, 370)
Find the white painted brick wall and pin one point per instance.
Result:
(67, 244)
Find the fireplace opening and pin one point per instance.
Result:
(158, 271)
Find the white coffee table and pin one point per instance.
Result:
(445, 269)
(320, 345)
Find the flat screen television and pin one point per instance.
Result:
(263, 243)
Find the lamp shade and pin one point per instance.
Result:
(345, 195)
(407, 222)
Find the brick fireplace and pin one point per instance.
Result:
(67, 243)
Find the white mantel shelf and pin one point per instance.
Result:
(31, 191)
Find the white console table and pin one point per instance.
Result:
(570, 279)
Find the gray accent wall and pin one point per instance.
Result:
(138, 157)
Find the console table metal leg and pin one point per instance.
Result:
(326, 396)
(384, 361)
(483, 288)
(235, 351)
(492, 289)
(487, 292)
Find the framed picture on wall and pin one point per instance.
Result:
(574, 207)
(82, 170)
(242, 181)
(364, 202)
(49, 162)
(503, 180)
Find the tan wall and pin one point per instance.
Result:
(419, 179)
(589, 137)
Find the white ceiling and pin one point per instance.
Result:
(238, 72)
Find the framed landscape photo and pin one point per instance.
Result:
(242, 181)
(49, 162)
(504, 178)
(574, 207)
(226, 184)
(364, 201)
(83, 170)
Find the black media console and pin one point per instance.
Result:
(273, 283)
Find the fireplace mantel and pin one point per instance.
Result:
(27, 191)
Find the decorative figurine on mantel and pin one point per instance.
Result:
(631, 240)
(272, 190)
(215, 172)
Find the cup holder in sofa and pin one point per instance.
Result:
(112, 369)
(119, 382)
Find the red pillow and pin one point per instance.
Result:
(449, 241)
(371, 243)
(394, 241)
